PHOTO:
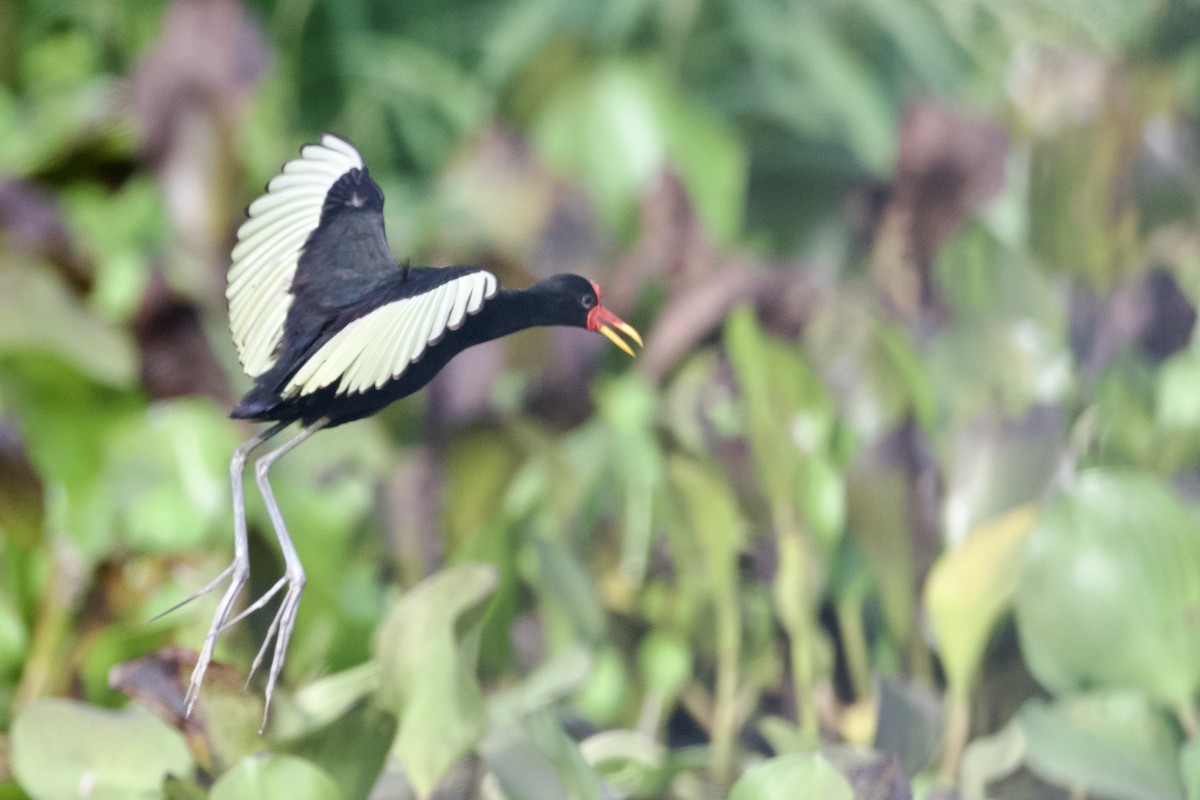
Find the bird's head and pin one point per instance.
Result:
(576, 302)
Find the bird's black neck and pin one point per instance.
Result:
(511, 310)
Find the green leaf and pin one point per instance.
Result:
(64, 749)
(969, 588)
(427, 648)
(39, 314)
(175, 456)
(790, 417)
(990, 759)
(791, 776)
(632, 762)
(1178, 391)
(1113, 745)
(534, 759)
(1189, 768)
(1109, 587)
(616, 128)
(665, 662)
(270, 776)
(352, 749)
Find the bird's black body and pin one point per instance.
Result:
(554, 301)
(332, 329)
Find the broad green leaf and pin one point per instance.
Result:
(1075, 226)
(789, 417)
(616, 128)
(877, 500)
(989, 759)
(632, 763)
(270, 776)
(325, 700)
(426, 648)
(1113, 745)
(665, 663)
(628, 407)
(352, 749)
(604, 693)
(175, 456)
(792, 776)
(1189, 768)
(62, 749)
(534, 759)
(968, 590)
(1108, 589)
(39, 315)
(1178, 392)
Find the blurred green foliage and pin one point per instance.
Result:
(901, 496)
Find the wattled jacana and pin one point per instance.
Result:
(332, 329)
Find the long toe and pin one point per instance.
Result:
(240, 574)
(282, 626)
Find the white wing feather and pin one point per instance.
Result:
(379, 346)
(269, 245)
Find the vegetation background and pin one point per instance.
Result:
(902, 497)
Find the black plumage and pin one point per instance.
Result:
(332, 329)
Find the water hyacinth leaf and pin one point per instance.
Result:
(271, 776)
(175, 456)
(603, 694)
(534, 759)
(1113, 745)
(791, 776)
(61, 748)
(619, 127)
(629, 407)
(1178, 392)
(632, 763)
(665, 663)
(566, 583)
(427, 648)
(39, 314)
(1189, 768)
(969, 588)
(789, 414)
(715, 524)
(877, 501)
(1108, 590)
(352, 749)
(989, 759)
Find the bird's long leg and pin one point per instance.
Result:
(239, 569)
(294, 579)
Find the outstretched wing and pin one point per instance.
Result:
(379, 346)
(319, 228)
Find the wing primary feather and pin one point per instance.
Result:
(389, 335)
(390, 341)
(406, 338)
(291, 181)
(281, 215)
(265, 254)
(245, 249)
(337, 143)
(442, 318)
(458, 312)
(476, 301)
(421, 326)
(312, 193)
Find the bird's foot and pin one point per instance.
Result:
(280, 630)
(214, 584)
(239, 574)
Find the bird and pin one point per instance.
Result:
(332, 328)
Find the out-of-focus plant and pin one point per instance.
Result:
(900, 498)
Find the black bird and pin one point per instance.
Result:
(332, 329)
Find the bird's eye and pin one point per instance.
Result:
(588, 301)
